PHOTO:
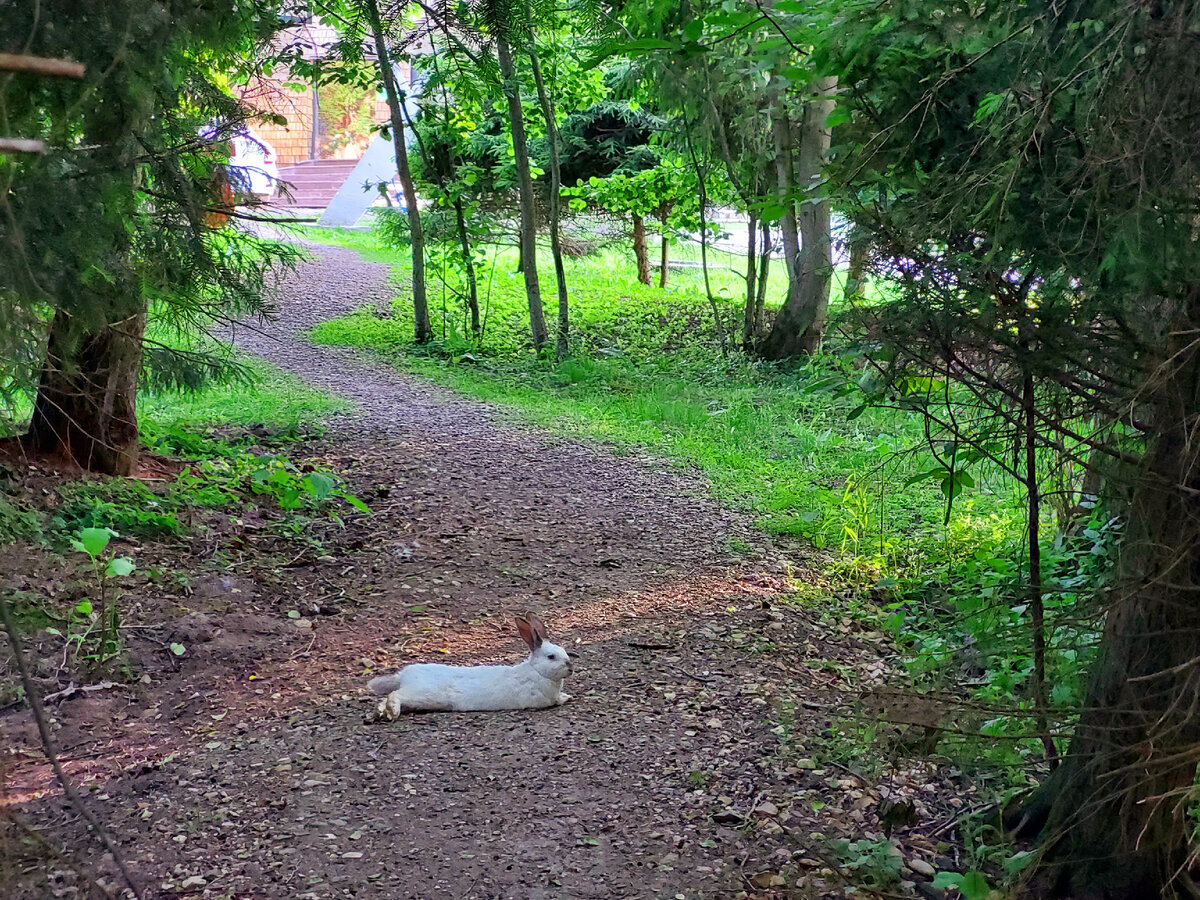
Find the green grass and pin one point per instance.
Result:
(790, 459)
(810, 467)
(209, 424)
(611, 311)
(646, 373)
(270, 398)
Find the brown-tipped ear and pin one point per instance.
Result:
(539, 627)
(528, 635)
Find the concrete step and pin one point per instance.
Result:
(315, 182)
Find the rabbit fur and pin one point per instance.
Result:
(535, 683)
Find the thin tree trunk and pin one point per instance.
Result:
(748, 331)
(1037, 608)
(702, 189)
(800, 325)
(1114, 815)
(816, 237)
(854, 275)
(464, 240)
(639, 249)
(86, 406)
(528, 233)
(764, 270)
(422, 329)
(460, 218)
(560, 272)
(664, 251)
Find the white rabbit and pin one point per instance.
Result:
(533, 684)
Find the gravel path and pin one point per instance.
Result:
(580, 504)
(473, 520)
(249, 768)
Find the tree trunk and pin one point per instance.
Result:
(528, 234)
(560, 273)
(764, 270)
(664, 252)
(1123, 788)
(702, 190)
(800, 324)
(854, 275)
(748, 320)
(464, 241)
(422, 329)
(1037, 605)
(85, 409)
(639, 249)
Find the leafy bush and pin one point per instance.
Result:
(126, 505)
(19, 523)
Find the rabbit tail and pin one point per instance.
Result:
(384, 684)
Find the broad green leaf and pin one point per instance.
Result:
(290, 499)
(84, 607)
(319, 485)
(974, 886)
(119, 567)
(94, 540)
(354, 501)
(178, 649)
(839, 116)
(953, 486)
(945, 880)
(937, 472)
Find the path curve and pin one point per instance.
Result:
(587, 801)
(583, 502)
(249, 769)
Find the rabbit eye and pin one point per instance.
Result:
(551, 656)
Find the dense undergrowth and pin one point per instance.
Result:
(813, 466)
(229, 441)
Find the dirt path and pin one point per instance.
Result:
(247, 770)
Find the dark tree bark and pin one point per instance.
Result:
(85, 409)
(800, 324)
(560, 273)
(1037, 605)
(464, 241)
(1114, 814)
(528, 234)
(764, 270)
(639, 249)
(422, 329)
(749, 323)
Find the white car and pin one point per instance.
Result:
(252, 168)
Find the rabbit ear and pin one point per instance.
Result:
(528, 635)
(539, 627)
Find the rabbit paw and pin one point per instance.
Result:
(563, 698)
(390, 707)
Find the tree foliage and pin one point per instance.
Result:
(114, 221)
(1025, 176)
